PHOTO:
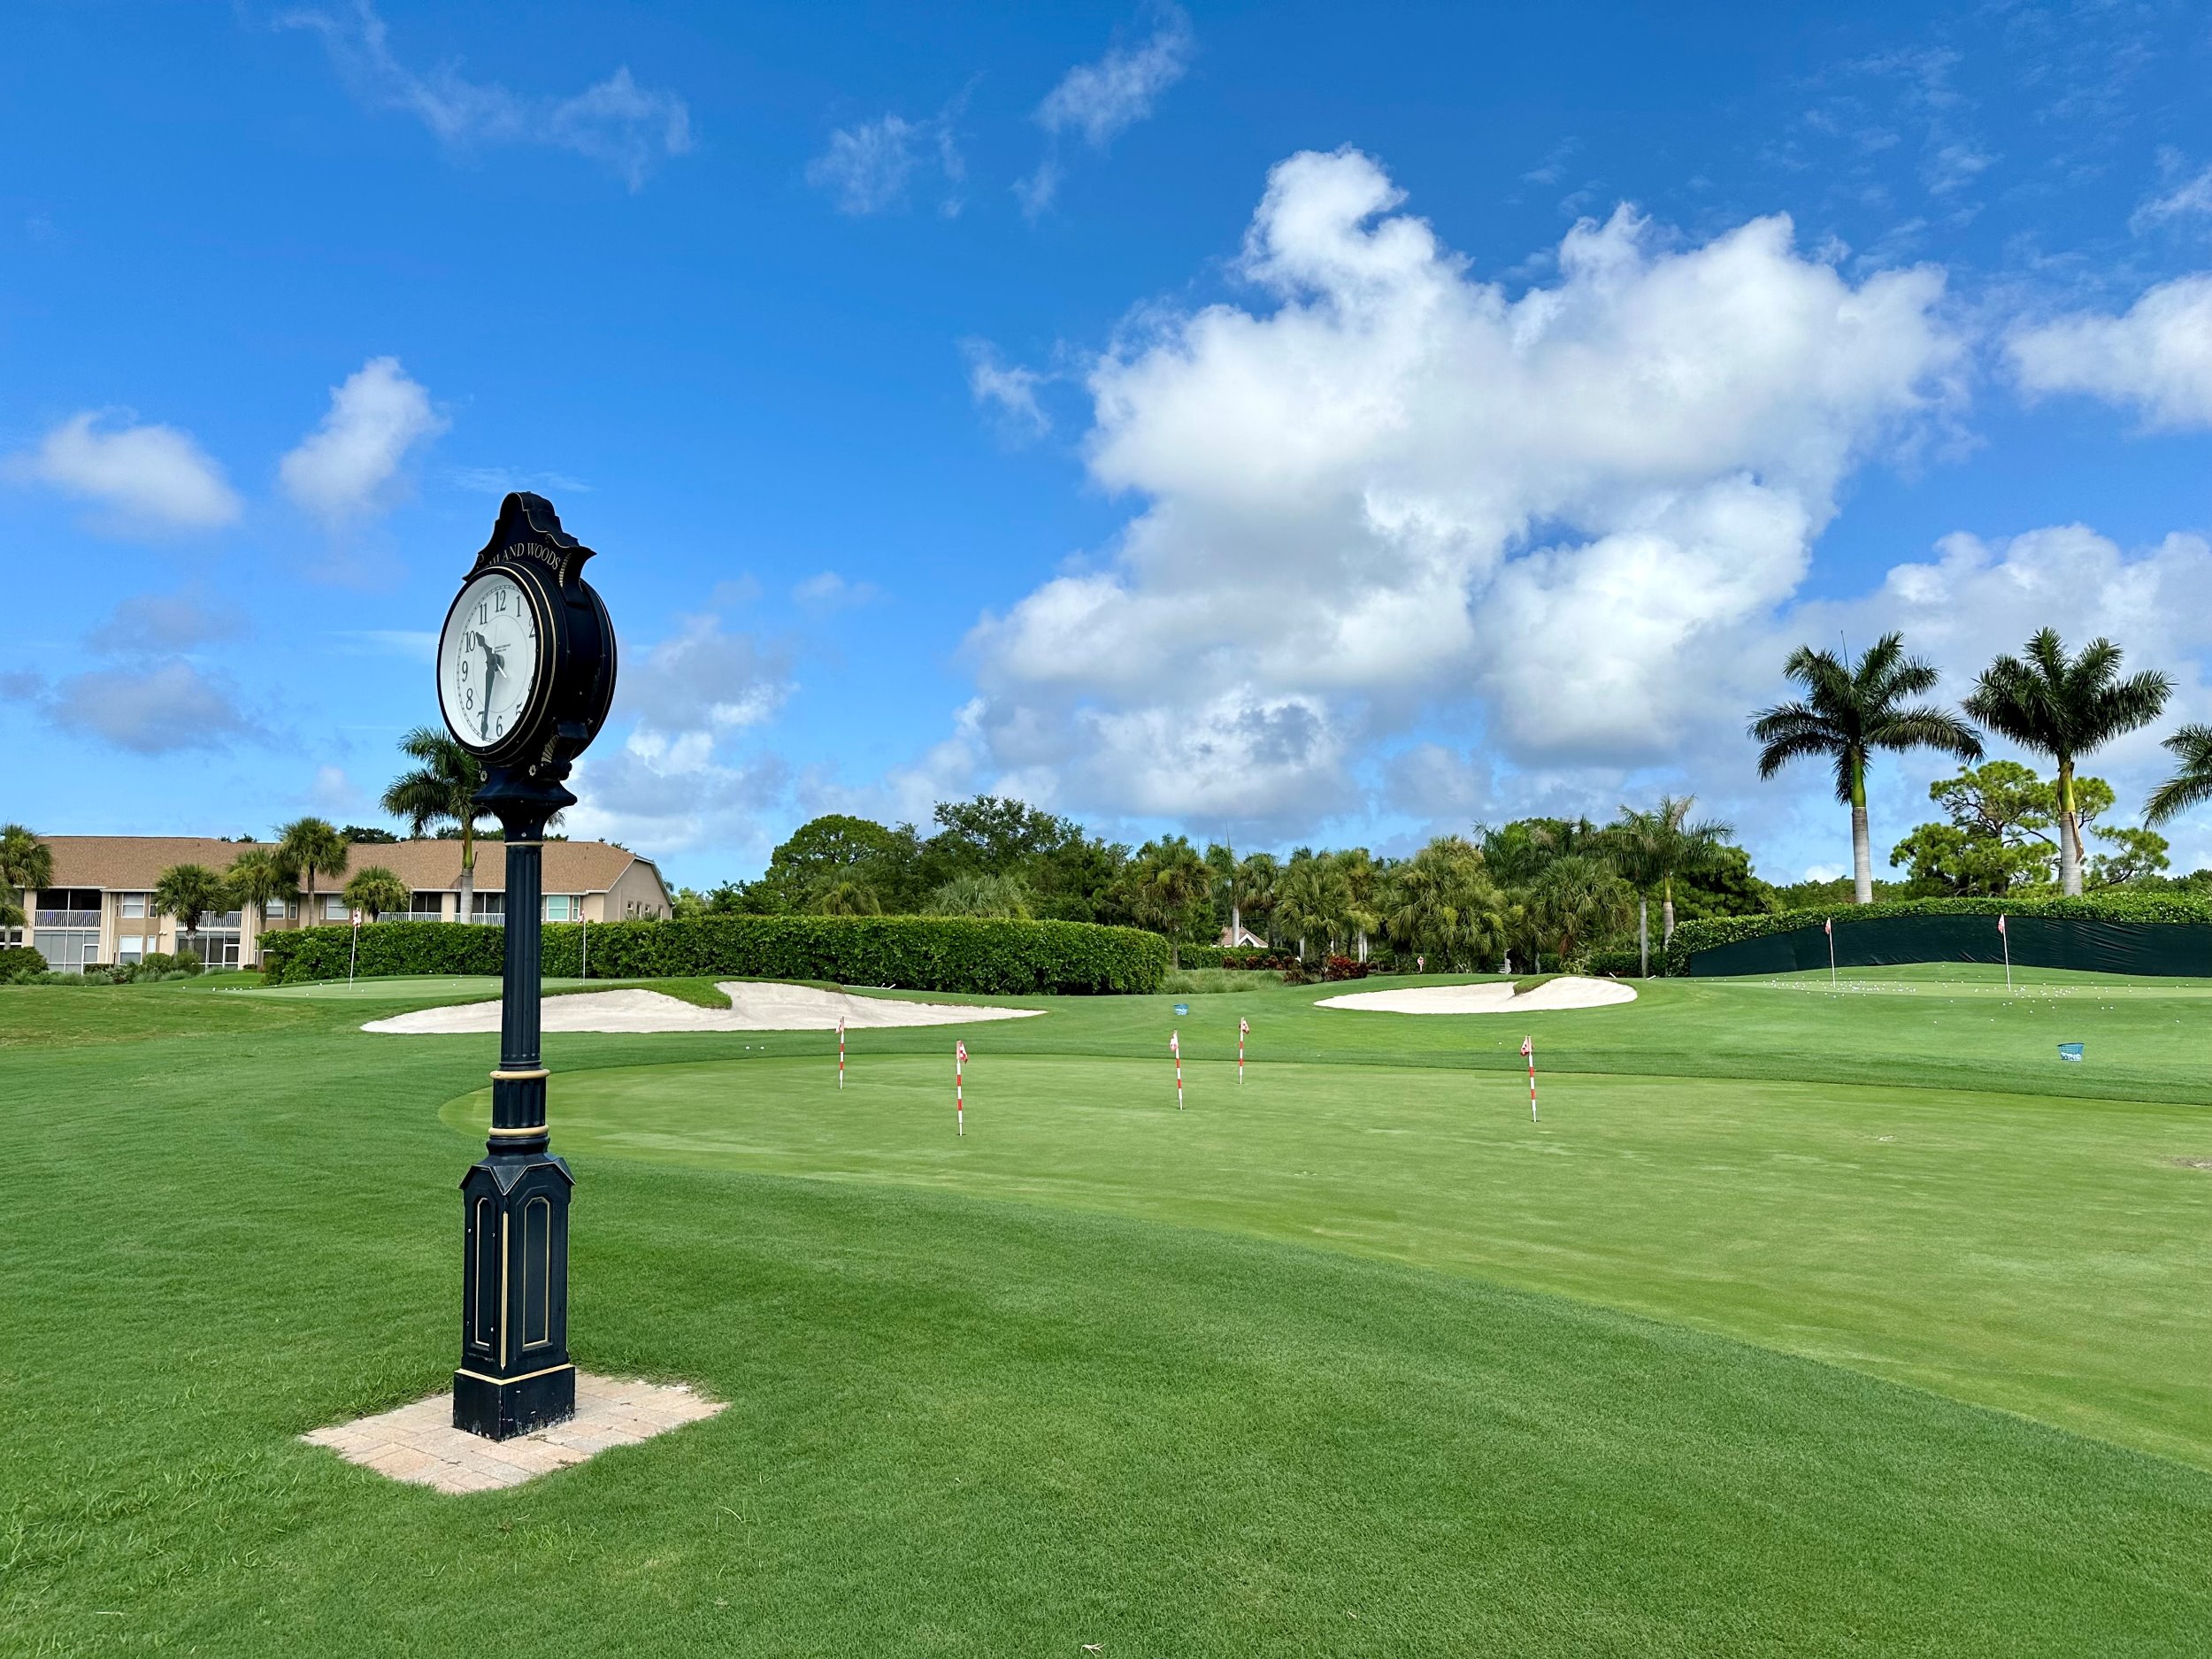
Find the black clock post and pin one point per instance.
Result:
(515, 1373)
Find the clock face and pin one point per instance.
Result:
(488, 660)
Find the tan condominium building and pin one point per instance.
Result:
(100, 909)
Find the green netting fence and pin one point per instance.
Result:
(2174, 949)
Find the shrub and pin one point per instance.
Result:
(978, 954)
(186, 961)
(1620, 962)
(1711, 933)
(1244, 957)
(15, 959)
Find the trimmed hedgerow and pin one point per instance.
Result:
(912, 953)
(1711, 932)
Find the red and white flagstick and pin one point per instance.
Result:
(1528, 1048)
(959, 1102)
(1829, 928)
(841, 1054)
(2007, 937)
(1175, 1048)
(1244, 1028)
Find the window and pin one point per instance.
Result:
(128, 952)
(134, 905)
(427, 906)
(335, 909)
(491, 909)
(275, 910)
(563, 907)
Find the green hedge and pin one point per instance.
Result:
(908, 953)
(1714, 932)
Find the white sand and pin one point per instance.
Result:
(752, 1008)
(1567, 991)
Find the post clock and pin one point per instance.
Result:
(525, 673)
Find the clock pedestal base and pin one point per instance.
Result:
(515, 1374)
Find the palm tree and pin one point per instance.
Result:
(26, 866)
(2190, 787)
(972, 895)
(1849, 712)
(1652, 847)
(441, 789)
(2066, 707)
(1253, 889)
(1576, 898)
(1167, 882)
(1441, 901)
(253, 879)
(1361, 879)
(847, 898)
(308, 847)
(188, 892)
(377, 888)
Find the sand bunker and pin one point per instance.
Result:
(1567, 991)
(752, 1008)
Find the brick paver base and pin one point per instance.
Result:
(419, 1443)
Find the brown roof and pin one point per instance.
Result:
(135, 863)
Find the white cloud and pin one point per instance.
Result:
(628, 127)
(703, 683)
(347, 467)
(867, 168)
(1096, 100)
(1007, 388)
(2155, 357)
(2191, 198)
(1101, 99)
(828, 591)
(1398, 489)
(151, 477)
(160, 623)
(166, 709)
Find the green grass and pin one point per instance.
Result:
(1357, 1362)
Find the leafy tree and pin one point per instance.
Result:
(26, 866)
(2066, 707)
(252, 880)
(993, 835)
(847, 898)
(309, 847)
(2190, 784)
(377, 888)
(981, 895)
(1725, 888)
(440, 788)
(188, 892)
(1848, 712)
(1655, 847)
(837, 849)
(367, 835)
(1169, 889)
(1947, 858)
(2136, 853)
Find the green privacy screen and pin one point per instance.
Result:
(2175, 948)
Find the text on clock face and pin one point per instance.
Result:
(490, 654)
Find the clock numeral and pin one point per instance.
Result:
(468, 698)
(500, 599)
(501, 729)
(465, 671)
(483, 611)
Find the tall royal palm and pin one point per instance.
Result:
(26, 866)
(1652, 847)
(254, 878)
(2066, 707)
(189, 892)
(1848, 712)
(2192, 786)
(440, 788)
(307, 848)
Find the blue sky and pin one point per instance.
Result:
(1289, 422)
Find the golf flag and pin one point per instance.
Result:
(841, 1054)
(1244, 1030)
(959, 1105)
(1175, 1048)
(2000, 926)
(1528, 1051)
(1829, 928)
(2005, 938)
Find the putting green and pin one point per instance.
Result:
(2012, 1251)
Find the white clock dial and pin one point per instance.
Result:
(488, 660)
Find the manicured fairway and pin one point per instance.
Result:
(1274, 1375)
